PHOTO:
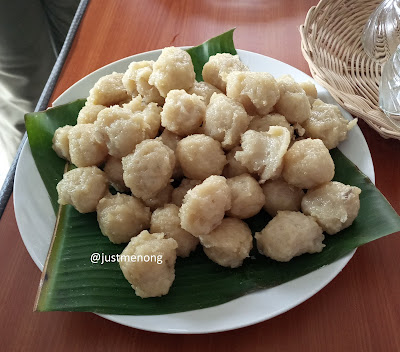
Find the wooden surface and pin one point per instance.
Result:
(358, 311)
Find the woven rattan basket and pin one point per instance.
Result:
(331, 44)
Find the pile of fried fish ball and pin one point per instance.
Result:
(236, 143)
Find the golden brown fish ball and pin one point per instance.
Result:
(167, 221)
(262, 124)
(229, 243)
(83, 188)
(279, 195)
(205, 90)
(308, 164)
(108, 91)
(108, 116)
(204, 206)
(309, 88)
(161, 198)
(148, 263)
(293, 102)
(179, 193)
(225, 120)
(135, 105)
(123, 130)
(257, 91)
(288, 235)
(171, 140)
(247, 196)
(263, 151)
(216, 70)
(124, 134)
(326, 123)
(173, 70)
(122, 217)
(151, 115)
(182, 113)
(87, 145)
(61, 142)
(333, 204)
(149, 169)
(114, 171)
(88, 114)
(136, 81)
(200, 156)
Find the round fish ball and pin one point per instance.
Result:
(135, 105)
(262, 124)
(309, 88)
(161, 198)
(233, 167)
(293, 102)
(333, 204)
(83, 188)
(121, 217)
(123, 130)
(288, 235)
(130, 76)
(263, 152)
(136, 81)
(108, 116)
(182, 113)
(279, 195)
(257, 91)
(114, 171)
(173, 70)
(225, 120)
(200, 156)
(88, 114)
(179, 193)
(61, 142)
(247, 196)
(171, 140)
(216, 70)
(229, 243)
(326, 123)
(308, 164)
(153, 272)
(149, 169)
(87, 145)
(204, 206)
(124, 134)
(151, 115)
(108, 91)
(167, 221)
(205, 90)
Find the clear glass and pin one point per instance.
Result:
(389, 90)
(381, 34)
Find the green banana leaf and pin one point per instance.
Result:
(201, 53)
(71, 282)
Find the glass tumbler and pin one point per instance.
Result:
(389, 89)
(381, 33)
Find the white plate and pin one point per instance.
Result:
(36, 221)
